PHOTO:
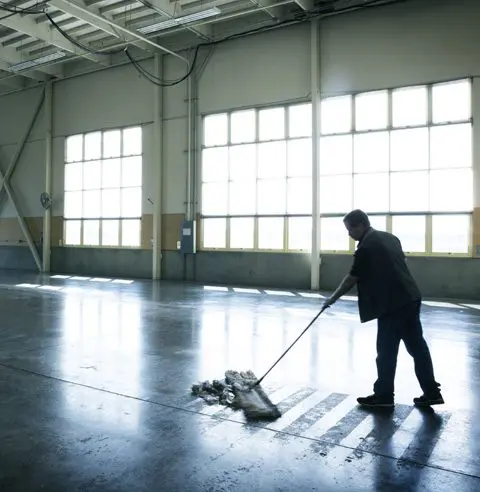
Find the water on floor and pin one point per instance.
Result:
(96, 376)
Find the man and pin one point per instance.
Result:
(387, 292)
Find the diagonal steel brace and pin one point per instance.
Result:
(5, 183)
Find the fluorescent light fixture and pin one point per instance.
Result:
(18, 67)
(440, 304)
(60, 276)
(79, 278)
(246, 291)
(31, 286)
(96, 279)
(473, 306)
(186, 19)
(50, 287)
(215, 288)
(120, 281)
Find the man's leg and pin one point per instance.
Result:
(417, 347)
(388, 341)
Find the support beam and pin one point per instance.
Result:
(158, 171)
(26, 25)
(476, 168)
(316, 108)
(5, 183)
(47, 216)
(305, 4)
(11, 57)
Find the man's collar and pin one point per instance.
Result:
(365, 234)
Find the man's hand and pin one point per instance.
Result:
(328, 302)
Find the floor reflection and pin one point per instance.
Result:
(101, 347)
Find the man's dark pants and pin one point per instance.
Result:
(403, 324)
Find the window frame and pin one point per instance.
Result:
(99, 218)
(389, 128)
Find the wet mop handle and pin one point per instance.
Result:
(297, 339)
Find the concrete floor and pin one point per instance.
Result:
(95, 378)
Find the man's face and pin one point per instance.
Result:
(355, 232)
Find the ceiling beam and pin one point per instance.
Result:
(27, 26)
(92, 16)
(12, 57)
(305, 4)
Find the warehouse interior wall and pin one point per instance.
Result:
(404, 44)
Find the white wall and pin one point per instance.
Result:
(412, 42)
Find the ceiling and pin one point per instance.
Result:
(40, 40)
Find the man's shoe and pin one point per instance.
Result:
(376, 401)
(427, 401)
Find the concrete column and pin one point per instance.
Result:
(315, 92)
(47, 216)
(157, 138)
(476, 167)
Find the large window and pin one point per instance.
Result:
(402, 155)
(256, 179)
(103, 188)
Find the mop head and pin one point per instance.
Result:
(238, 391)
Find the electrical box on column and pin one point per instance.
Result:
(188, 234)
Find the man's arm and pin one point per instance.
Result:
(346, 284)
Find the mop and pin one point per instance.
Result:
(253, 400)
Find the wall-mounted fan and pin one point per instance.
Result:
(45, 200)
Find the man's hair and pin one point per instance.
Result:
(357, 217)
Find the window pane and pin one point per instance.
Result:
(242, 126)
(450, 233)
(74, 148)
(242, 233)
(410, 106)
(451, 190)
(215, 164)
(409, 149)
(72, 232)
(272, 160)
(409, 191)
(299, 157)
(451, 102)
(110, 203)
(271, 196)
(111, 144)
(111, 173)
(378, 222)
(270, 232)
(73, 204)
(299, 196)
(371, 151)
(110, 230)
(451, 146)
(73, 176)
(333, 234)
(335, 194)
(91, 232)
(215, 130)
(300, 233)
(92, 175)
(371, 192)
(336, 115)
(91, 204)
(132, 141)
(243, 162)
(371, 110)
(242, 198)
(93, 146)
(271, 123)
(336, 155)
(131, 202)
(131, 233)
(214, 198)
(132, 171)
(300, 120)
(214, 233)
(411, 232)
